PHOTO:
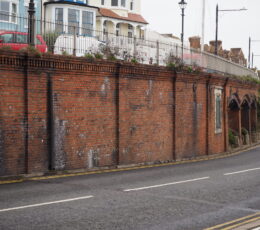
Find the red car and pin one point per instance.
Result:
(18, 40)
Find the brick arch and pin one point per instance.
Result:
(245, 113)
(253, 116)
(234, 114)
(246, 101)
(234, 101)
(253, 101)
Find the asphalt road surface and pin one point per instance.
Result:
(189, 196)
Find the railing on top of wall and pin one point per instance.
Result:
(79, 41)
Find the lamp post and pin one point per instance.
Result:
(182, 5)
(249, 51)
(217, 11)
(31, 21)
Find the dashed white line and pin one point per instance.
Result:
(46, 203)
(243, 171)
(167, 184)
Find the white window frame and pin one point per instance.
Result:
(218, 94)
(119, 4)
(11, 2)
(131, 7)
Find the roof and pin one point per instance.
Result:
(70, 3)
(131, 17)
(236, 51)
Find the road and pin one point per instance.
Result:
(188, 196)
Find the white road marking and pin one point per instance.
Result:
(46, 203)
(243, 171)
(162, 185)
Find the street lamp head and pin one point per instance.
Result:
(182, 4)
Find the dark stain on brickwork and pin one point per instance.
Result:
(135, 107)
(133, 129)
(2, 169)
(195, 140)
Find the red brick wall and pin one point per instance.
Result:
(190, 120)
(12, 122)
(83, 115)
(146, 119)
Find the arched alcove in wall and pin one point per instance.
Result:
(234, 115)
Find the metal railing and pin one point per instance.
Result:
(81, 41)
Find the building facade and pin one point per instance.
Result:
(119, 17)
(14, 15)
(67, 16)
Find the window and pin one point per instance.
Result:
(123, 3)
(105, 28)
(21, 38)
(26, 8)
(132, 5)
(14, 12)
(130, 31)
(117, 29)
(4, 11)
(7, 38)
(114, 3)
(73, 21)
(218, 111)
(102, 2)
(87, 23)
(59, 20)
(8, 11)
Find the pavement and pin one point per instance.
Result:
(216, 194)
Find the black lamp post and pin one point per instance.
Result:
(182, 5)
(217, 11)
(31, 26)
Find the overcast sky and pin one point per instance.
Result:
(234, 27)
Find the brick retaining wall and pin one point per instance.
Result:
(66, 113)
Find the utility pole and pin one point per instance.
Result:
(31, 26)
(216, 39)
(251, 41)
(203, 26)
(253, 56)
(252, 61)
(217, 11)
(249, 52)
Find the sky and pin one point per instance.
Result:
(235, 28)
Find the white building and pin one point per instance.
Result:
(68, 16)
(120, 17)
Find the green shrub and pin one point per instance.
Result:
(231, 137)
(98, 56)
(111, 57)
(89, 57)
(174, 63)
(244, 131)
(31, 50)
(171, 66)
(133, 60)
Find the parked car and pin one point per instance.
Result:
(65, 44)
(18, 40)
